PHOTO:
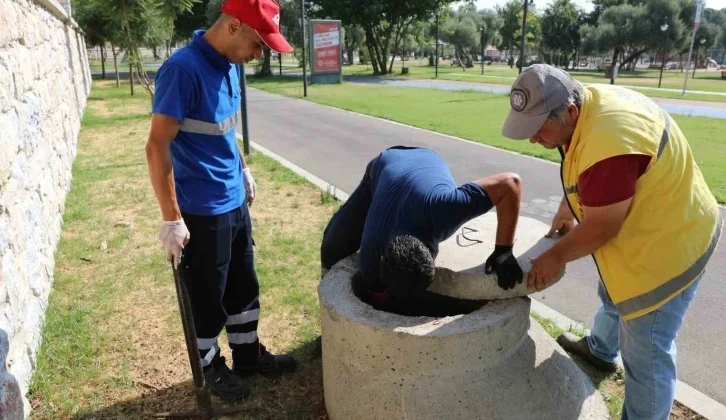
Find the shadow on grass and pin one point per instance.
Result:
(295, 396)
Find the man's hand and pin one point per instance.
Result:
(544, 272)
(502, 260)
(250, 185)
(563, 222)
(174, 236)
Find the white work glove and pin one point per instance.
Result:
(174, 236)
(250, 185)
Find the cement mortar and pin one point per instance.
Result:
(493, 363)
(460, 262)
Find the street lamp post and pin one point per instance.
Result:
(695, 62)
(663, 28)
(524, 34)
(482, 51)
(302, 22)
(436, 57)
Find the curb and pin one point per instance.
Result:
(685, 394)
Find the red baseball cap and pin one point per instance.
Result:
(264, 17)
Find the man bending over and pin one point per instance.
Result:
(406, 204)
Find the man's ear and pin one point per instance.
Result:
(573, 111)
(234, 26)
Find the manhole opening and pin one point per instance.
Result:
(426, 304)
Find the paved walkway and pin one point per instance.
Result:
(673, 106)
(335, 146)
(701, 92)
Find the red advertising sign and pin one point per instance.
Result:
(326, 46)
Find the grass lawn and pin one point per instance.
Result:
(478, 116)
(502, 74)
(113, 346)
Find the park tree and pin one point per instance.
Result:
(99, 29)
(461, 30)
(511, 32)
(353, 40)
(561, 30)
(135, 18)
(490, 25)
(383, 21)
(186, 23)
(510, 16)
(291, 26)
(160, 32)
(628, 30)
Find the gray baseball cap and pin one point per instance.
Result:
(536, 92)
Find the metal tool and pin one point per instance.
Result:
(205, 410)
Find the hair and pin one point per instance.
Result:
(559, 114)
(406, 265)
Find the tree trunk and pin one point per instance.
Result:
(381, 54)
(266, 69)
(350, 50)
(131, 76)
(371, 57)
(153, 51)
(103, 62)
(372, 51)
(396, 40)
(115, 64)
(613, 63)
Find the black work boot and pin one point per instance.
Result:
(267, 364)
(223, 383)
(578, 346)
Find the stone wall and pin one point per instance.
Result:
(44, 83)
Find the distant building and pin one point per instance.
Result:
(494, 54)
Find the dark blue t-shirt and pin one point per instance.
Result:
(200, 88)
(414, 193)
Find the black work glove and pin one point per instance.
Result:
(502, 260)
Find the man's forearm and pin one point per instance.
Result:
(161, 174)
(508, 214)
(582, 240)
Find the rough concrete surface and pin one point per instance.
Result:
(490, 364)
(460, 262)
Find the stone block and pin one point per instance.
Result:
(460, 262)
(9, 23)
(494, 363)
(11, 398)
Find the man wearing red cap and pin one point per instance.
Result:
(203, 187)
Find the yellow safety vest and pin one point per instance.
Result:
(673, 224)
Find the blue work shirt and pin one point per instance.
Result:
(201, 89)
(414, 193)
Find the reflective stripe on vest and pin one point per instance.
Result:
(211, 129)
(666, 135)
(673, 285)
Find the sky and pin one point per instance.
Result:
(585, 4)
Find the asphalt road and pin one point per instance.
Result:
(336, 145)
